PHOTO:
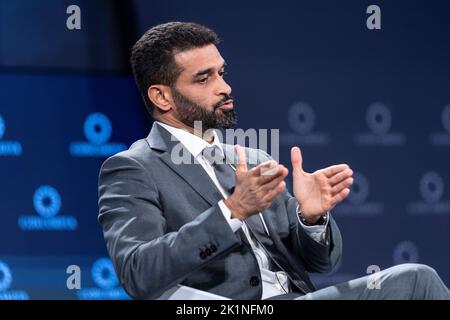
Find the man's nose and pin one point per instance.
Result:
(223, 88)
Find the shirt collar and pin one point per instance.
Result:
(194, 144)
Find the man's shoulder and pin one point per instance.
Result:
(139, 152)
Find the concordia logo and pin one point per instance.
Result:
(405, 252)
(356, 202)
(431, 188)
(6, 280)
(301, 119)
(442, 138)
(8, 148)
(379, 120)
(104, 277)
(98, 131)
(47, 203)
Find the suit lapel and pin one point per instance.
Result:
(191, 171)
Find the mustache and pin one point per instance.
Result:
(226, 98)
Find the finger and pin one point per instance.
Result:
(276, 172)
(296, 160)
(273, 183)
(342, 185)
(266, 168)
(331, 171)
(241, 166)
(340, 196)
(272, 168)
(339, 177)
(275, 192)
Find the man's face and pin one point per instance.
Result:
(200, 92)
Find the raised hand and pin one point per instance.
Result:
(255, 189)
(320, 191)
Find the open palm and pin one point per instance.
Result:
(320, 191)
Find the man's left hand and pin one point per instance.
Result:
(320, 191)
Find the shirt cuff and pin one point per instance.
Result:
(316, 232)
(234, 223)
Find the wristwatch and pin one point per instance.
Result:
(322, 220)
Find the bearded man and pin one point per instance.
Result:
(221, 223)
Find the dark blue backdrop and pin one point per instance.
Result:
(376, 99)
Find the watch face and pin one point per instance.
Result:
(322, 220)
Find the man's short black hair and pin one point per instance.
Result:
(152, 56)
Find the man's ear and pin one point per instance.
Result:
(161, 97)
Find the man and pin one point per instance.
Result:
(226, 227)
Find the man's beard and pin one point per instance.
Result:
(187, 111)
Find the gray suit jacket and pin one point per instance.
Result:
(163, 226)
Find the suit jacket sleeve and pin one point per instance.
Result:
(148, 259)
(318, 257)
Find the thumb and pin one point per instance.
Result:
(242, 160)
(297, 160)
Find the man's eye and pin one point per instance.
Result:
(203, 81)
(223, 73)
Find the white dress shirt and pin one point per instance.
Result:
(273, 283)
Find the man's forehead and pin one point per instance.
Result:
(197, 59)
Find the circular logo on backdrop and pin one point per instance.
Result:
(103, 274)
(359, 190)
(5, 276)
(2, 127)
(47, 201)
(301, 118)
(378, 118)
(446, 118)
(97, 128)
(406, 252)
(431, 187)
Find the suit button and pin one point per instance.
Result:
(254, 281)
(213, 248)
(203, 255)
(208, 252)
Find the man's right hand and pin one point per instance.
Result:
(255, 189)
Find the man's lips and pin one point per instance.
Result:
(227, 105)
